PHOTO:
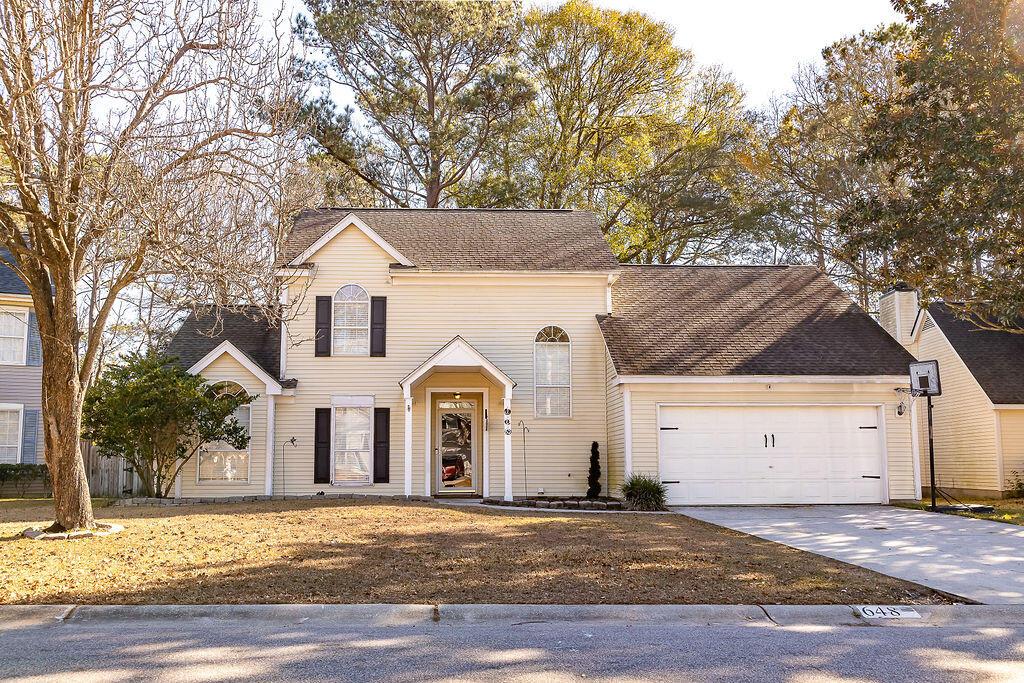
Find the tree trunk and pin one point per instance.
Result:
(62, 426)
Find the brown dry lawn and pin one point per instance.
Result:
(348, 552)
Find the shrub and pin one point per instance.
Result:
(1017, 484)
(594, 476)
(644, 492)
(155, 415)
(23, 475)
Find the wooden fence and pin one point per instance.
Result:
(106, 475)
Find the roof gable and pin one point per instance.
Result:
(995, 359)
(349, 221)
(466, 240)
(743, 320)
(249, 333)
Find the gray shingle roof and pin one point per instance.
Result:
(472, 239)
(9, 282)
(996, 359)
(248, 330)
(713, 321)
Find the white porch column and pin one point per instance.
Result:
(507, 427)
(408, 444)
(177, 482)
(427, 447)
(627, 431)
(268, 487)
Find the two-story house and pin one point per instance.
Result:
(471, 352)
(20, 373)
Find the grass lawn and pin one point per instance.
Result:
(1009, 510)
(348, 552)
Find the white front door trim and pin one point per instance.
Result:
(428, 448)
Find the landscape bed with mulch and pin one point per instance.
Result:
(390, 552)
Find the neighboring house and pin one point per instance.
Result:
(418, 344)
(20, 373)
(979, 419)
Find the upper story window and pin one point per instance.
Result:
(13, 336)
(350, 332)
(220, 461)
(552, 373)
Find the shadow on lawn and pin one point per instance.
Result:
(468, 555)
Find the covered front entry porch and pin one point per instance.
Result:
(460, 404)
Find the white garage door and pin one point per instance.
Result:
(722, 455)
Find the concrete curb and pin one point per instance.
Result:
(14, 617)
(687, 614)
(385, 615)
(362, 614)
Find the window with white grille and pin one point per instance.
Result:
(552, 373)
(13, 336)
(351, 328)
(221, 461)
(353, 441)
(10, 434)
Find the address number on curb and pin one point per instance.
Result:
(887, 612)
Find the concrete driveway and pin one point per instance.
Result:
(973, 558)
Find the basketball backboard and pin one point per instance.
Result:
(924, 378)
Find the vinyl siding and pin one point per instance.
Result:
(227, 368)
(1011, 424)
(23, 384)
(616, 435)
(498, 315)
(646, 397)
(964, 422)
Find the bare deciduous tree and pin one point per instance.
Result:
(128, 131)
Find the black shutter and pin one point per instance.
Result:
(322, 447)
(322, 345)
(381, 445)
(378, 325)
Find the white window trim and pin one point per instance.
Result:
(334, 327)
(352, 401)
(248, 449)
(535, 384)
(16, 311)
(20, 407)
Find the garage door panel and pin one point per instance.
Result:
(718, 454)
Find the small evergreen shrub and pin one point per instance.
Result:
(644, 492)
(594, 475)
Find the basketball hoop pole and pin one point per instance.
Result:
(931, 451)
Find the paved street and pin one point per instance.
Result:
(211, 650)
(973, 558)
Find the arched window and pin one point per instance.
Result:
(219, 461)
(552, 373)
(351, 328)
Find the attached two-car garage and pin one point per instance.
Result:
(772, 454)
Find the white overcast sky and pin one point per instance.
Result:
(761, 42)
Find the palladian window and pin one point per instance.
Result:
(220, 461)
(552, 373)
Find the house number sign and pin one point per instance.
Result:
(508, 421)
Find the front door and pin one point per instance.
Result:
(456, 446)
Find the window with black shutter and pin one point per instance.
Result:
(322, 446)
(378, 325)
(322, 343)
(381, 445)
